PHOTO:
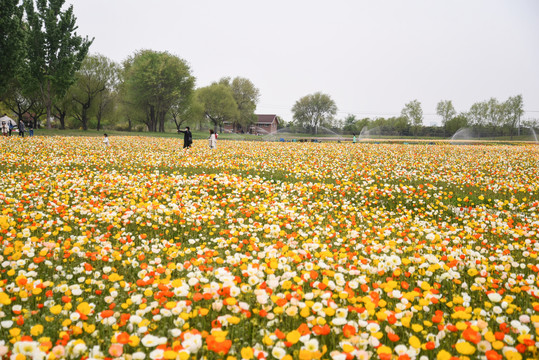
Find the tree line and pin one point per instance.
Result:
(487, 118)
(48, 77)
(47, 72)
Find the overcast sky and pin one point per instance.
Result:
(371, 57)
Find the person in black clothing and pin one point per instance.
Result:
(187, 137)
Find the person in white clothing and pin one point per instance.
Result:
(213, 139)
(106, 140)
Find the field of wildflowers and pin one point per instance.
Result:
(267, 250)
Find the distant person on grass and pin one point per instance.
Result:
(106, 140)
(212, 139)
(22, 128)
(187, 137)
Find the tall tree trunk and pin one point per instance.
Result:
(152, 126)
(99, 115)
(84, 117)
(48, 103)
(161, 121)
(62, 118)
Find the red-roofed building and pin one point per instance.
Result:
(265, 124)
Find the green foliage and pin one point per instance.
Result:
(22, 94)
(157, 82)
(187, 110)
(354, 125)
(55, 51)
(11, 42)
(497, 118)
(246, 96)
(96, 75)
(478, 113)
(314, 110)
(104, 105)
(514, 108)
(414, 114)
(218, 103)
(455, 123)
(446, 110)
(62, 108)
(281, 124)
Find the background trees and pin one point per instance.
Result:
(414, 114)
(313, 111)
(97, 75)
(457, 122)
(45, 68)
(445, 110)
(155, 81)
(246, 96)
(514, 108)
(218, 104)
(55, 51)
(11, 42)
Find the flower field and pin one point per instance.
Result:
(267, 250)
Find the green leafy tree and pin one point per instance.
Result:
(414, 114)
(478, 114)
(155, 81)
(457, 122)
(350, 123)
(96, 75)
(19, 99)
(218, 103)
(63, 107)
(281, 124)
(361, 124)
(187, 110)
(313, 111)
(399, 125)
(104, 105)
(12, 42)
(514, 108)
(446, 110)
(126, 107)
(495, 114)
(55, 51)
(246, 96)
(37, 111)
(353, 125)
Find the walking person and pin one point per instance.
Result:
(187, 137)
(22, 128)
(212, 139)
(106, 140)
